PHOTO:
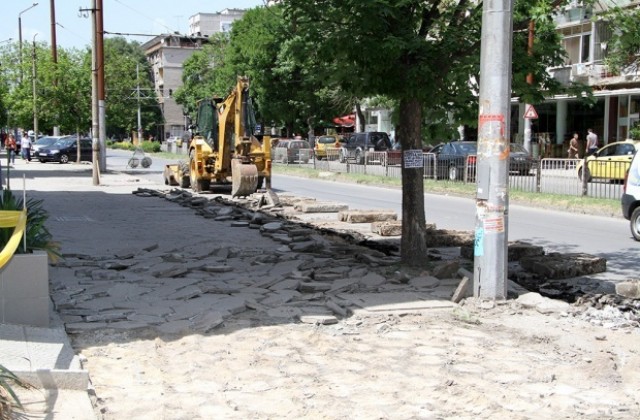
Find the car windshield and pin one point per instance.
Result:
(65, 142)
(326, 140)
(46, 140)
(517, 148)
(466, 148)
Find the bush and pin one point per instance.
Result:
(38, 236)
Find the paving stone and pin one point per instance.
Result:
(561, 266)
(372, 280)
(174, 327)
(314, 286)
(427, 282)
(387, 228)
(286, 312)
(207, 321)
(320, 207)
(106, 275)
(291, 284)
(80, 327)
(318, 319)
(279, 297)
(630, 289)
(446, 269)
(125, 290)
(186, 293)
(271, 227)
(147, 319)
(367, 216)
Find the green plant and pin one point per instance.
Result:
(634, 133)
(8, 398)
(37, 234)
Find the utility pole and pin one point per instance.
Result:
(20, 34)
(492, 195)
(35, 90)
(94, 98)
(102, 125)
(54, 55)
(527, 121)
(138, 94)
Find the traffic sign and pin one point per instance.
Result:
(530, 113)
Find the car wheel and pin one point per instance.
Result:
(359, 157)
(453, 173)
(586, 172)
(635, 224)
(64, 159)
(42, 160)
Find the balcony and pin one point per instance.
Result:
(593, 74)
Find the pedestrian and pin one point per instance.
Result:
(573, 147)
(25, 148)
(592, 142)
(11, 145)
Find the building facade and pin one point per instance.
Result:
(166, 53)
(585, 40)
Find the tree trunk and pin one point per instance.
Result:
(413, 245)
(360, 128)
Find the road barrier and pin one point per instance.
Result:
(548, 175)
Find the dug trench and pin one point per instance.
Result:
(559, 276)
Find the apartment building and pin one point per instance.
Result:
(168, 52)
(585, 40)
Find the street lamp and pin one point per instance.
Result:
(35, 107)
(20, 33)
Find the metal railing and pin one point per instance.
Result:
(548, 175)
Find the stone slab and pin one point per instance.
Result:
(406, 302)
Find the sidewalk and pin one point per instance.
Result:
(44, 357)
(188, 308)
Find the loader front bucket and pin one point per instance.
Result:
(244, 178)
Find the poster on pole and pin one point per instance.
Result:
(413, 159)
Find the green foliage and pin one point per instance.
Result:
(37, 234)
(8, 398)
(634, 132)
(146, 146)
(623, 49)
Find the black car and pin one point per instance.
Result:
(520, 161)
(66, 150)
(454, 158)
(359, 143)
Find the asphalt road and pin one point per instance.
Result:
(556, 231)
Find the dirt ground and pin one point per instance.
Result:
(469, 361)
(466, 363)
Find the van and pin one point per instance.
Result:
(359, 143)
(631, 197)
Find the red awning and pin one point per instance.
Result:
(346, 120)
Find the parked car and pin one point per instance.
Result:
(45, 142)
(609, 162)
(287, 151)
(453, 158)
(631, 197)
(330, 141)
(520, 161)
(359, 143)
(66, 150)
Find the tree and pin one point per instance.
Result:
(623, 49)
(125, 68)
(424, 55)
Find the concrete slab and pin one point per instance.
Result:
(405, 302)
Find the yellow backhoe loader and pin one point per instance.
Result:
(225, 149)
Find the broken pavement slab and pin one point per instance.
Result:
(367, 216)
(394, 302)
(562, 266)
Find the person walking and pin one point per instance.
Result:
(25, 148)
(11, 146)
(592, 142)
(573, 147)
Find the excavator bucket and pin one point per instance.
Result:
(244, 178)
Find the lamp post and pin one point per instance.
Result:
(20, 33)
(35, 97)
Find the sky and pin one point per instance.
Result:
(120, 16)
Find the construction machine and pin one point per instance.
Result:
(225, 149)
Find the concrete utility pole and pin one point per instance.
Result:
(492, 195)
(20, 34)
(54, 54)
(102, 125)
(94, 98)
(35, 90)
(527, 121)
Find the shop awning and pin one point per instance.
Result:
(346, 120)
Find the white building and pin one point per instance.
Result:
(207, 24)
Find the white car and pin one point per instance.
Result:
(631, 197)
